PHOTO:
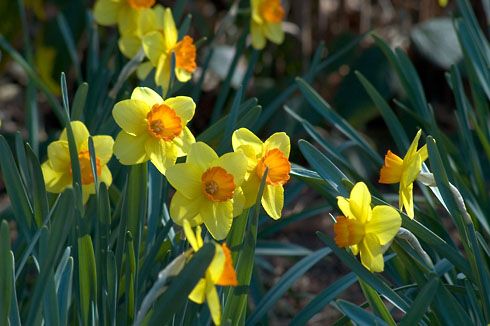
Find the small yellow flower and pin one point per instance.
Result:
(266, 22)
(57, 170)
(219, 272)
(153, 129)
(159, 46)
(365, 230)
(274, 154)
(404, 171)
(208, 189)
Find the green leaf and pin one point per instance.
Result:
(6, 268)
(64, 279)
(50, 301)
(448, 308)
(225, 142)
(174, 298)
(286, 281)
(40, 197)
(234, 240)
(421, 303)
(87, 276)
(358, 315)
(376, 303)
(70, 44)
(79, 102)
(324, 298)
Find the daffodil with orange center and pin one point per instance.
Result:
(219, 272)
(266, 22)
(153, 129)
(57, 169)
(159, 47)
(272, 154)
(404, 171)
(208, 189)
(364, 229)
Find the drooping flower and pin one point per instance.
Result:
(363, 229)
(57, 169)
(153, 129)
(219, 272)
(208, 189)
(266, 22)
(159, 46)
(404, 171)
(274, 154)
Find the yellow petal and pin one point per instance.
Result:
(213, 303)
(354, 249)
(127, 19)
(169, 29)
(251, 189)
(360, 202)
(384, 224)
(148, 21)
(217, 265)
(186, 179)
(274, 32)
(162, 73)
(371, 254)
(143, 70)
(105, 12)
(147, 95)
(424, 154)
(87, 190)
(189, 234)
(234, 163)
(218, 217)
(412, 170)
(198, 294)
(184, 142)
(413, 146)
(80, 133)
(59, 156)
(159, 16)
(238, 201)
(243, 136)
(130, 115)
(129, 45)
(182, 75)
(55, 181)
(202, 155)
(280, 141)
(258, 37)
(182, 208)
(406, 198)
(162, 154)
(251, 156)
(103, 148)
(130, 149)
(183, 106)
(344, 206)
(154, 46)
(254, 5)
(273, 200)
(105, 175)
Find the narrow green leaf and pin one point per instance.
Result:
(64, 291)
(184, 27)
(87, 276)
(14, 316)
(130, 275)
(50, 301)
(358, 315)
(112, 282)
(225, 142)
(376, 303)
(448, 308)
(236, 235)
(40, 198)
(6, 267)
(79, 102)
(70, 44)
(473, 302)
(421, 303)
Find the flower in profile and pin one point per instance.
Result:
(153, 129)
(266, 22)
(365, 230)
(208, 189)
(404, 171)
(274, 154)
(57, 169)
(219, 272)
(159, 46)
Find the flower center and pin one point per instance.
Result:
(272, 11)
(141, 4)
(163, 122)
(217, 184)
(86, 167)
(349, 231)
(279, 167)
(228, 276)
(185, 54)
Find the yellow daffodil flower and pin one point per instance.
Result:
(57, 170)
(208, 189)
(266, 22)
(159, 46)
(124, 13)
(272, 153)
(364, 229)
(404, 171)
(153, 129)
(219, 272)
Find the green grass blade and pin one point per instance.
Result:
(473, 302)
(421, 303)
(79, 102)
(358, 315)
(50, 301)
(6, 267)
(64, 291)
(40, 197)
(234, 240)
(87, 277)
(376, 303)
(14, 316)
(70, 44)
(286, 281)
(225, 143)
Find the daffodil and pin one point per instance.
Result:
(365, 230)
(153, 129)
(404, 171)
(219, 272)
(266, 22)
(124, 13)
(208, 189)
(57, 170)
(159, 46)
(274, 154)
